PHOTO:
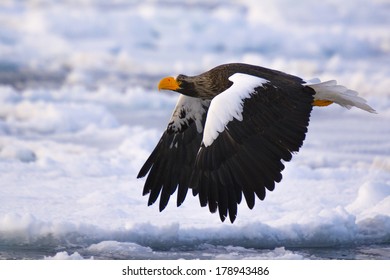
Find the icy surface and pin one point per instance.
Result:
(80, 113)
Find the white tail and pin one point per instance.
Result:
(331, 91)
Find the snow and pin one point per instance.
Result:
(65, 256)
(80, 113)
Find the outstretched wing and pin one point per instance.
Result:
(250, 128)
(171, 163)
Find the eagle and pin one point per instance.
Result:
(231, 132)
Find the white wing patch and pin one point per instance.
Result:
(188, 108)
(229, 104)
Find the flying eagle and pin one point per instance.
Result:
(230, 132)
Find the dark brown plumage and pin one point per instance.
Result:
(211, 83)
(234, 145)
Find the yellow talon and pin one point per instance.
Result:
(322, 102)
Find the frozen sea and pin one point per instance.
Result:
(80, 113)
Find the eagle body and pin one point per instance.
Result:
(231, 131)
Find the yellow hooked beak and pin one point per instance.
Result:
(168, 83)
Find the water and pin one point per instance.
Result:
(203, 252)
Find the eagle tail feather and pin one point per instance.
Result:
(330, 92)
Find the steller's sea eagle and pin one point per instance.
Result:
(231, 130)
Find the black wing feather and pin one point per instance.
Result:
(171, 163)
(244, 160)
(248, 154)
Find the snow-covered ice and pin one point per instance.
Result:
(80, 113)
